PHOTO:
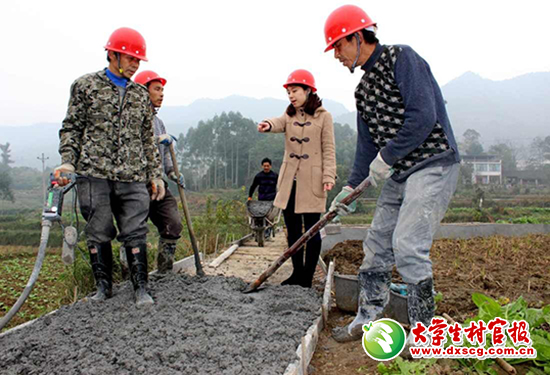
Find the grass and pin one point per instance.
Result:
(16, 264)
(498, 213)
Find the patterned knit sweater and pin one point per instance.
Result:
(401, 113)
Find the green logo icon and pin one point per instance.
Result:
(383, 339)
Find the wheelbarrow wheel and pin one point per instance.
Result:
(260, 237)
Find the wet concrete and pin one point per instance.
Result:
(197, 326)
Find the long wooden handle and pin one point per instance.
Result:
(307, 236)
(198, 264)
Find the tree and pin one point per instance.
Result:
(226, 151)
(465, 176)
(6, 192)
(217, 151)
(472, 145)
(539, 152)
(6, 154)
(183, 166)
(507, 154)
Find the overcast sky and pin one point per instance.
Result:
(212, 49)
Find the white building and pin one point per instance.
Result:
(487, 169)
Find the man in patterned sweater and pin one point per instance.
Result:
(107, 139)
(405, 141)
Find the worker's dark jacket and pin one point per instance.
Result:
(267, 183)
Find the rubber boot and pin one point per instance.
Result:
(124, 269)
(101, 258)
(165, 255)
(298, 269)
(373, 297)
(137, 259)
(421, 304)
(421, 308)
(312, 257)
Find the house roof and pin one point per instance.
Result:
(480, 158)
(525, 175)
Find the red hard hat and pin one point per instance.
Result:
(345, 21)
(147, 76)
(301, 77)
(128, 41)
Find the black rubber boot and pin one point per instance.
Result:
(421, 309)
(312, 257)
(137, 260)
(101, 258)
(165, 256)
(298, 269)
(373, 297)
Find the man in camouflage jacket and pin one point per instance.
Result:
(107, 140)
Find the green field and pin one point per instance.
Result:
(516, 210)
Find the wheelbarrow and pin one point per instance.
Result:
(262, 218)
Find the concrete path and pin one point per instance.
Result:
(250, 260)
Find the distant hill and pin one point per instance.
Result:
(29, 142)
(499, 110)
(506, 110)
(349, 118)
(179, 119)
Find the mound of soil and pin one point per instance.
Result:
(500, 267)
(348, 255)
(197, 326)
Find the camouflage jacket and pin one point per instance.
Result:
(103, 138)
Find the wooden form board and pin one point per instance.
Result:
(226, 254)
(309, 341)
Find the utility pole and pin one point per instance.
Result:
(43, 159)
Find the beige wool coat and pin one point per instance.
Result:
(310, 157)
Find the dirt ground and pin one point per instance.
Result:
(503, 268)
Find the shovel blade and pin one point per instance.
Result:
(252, 287)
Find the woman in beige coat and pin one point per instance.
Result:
(308, 170)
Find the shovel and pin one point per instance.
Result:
(198, 264)
(308, 235)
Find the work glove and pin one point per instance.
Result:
(166, 139)
(340, 208)
(63, 169)
(178, 180)
(157, 189)
(379, 170)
